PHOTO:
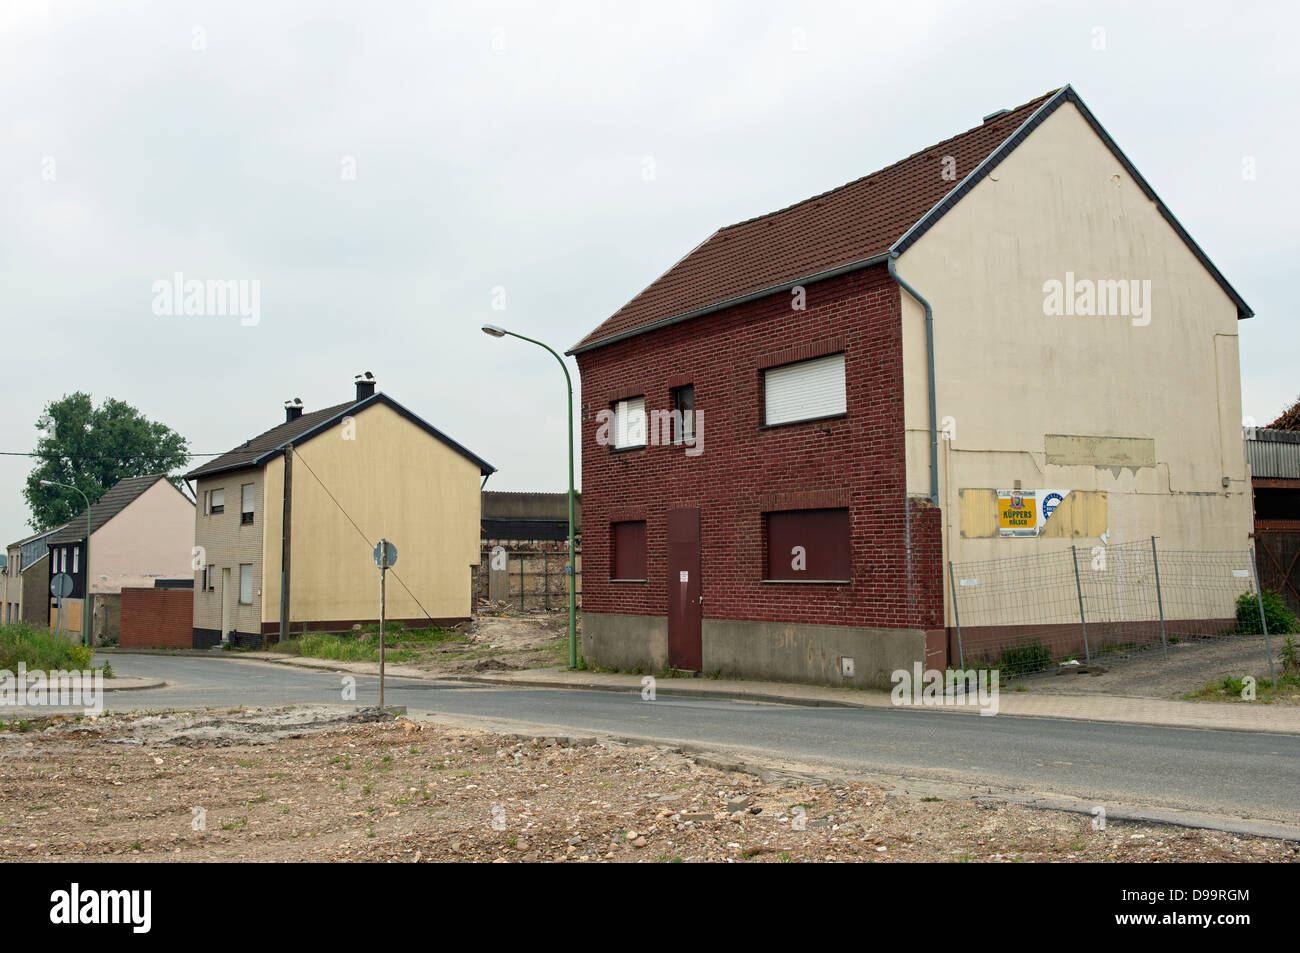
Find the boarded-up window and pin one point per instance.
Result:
(804, 391)
(808, 545)
(628, 550)
(245, 584)
(629, 423)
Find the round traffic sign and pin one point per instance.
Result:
(61, 585)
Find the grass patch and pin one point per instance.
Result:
(400, 644)
(41, 649)
(1229, 688)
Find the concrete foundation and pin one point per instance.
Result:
(776, 651)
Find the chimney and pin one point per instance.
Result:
(365, 385)
(292, 409)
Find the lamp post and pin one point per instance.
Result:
(85, 596)
(571, 569)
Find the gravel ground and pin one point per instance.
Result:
(306, 784)
(1191, 666)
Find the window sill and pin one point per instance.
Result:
(805, 420)
(629, 580)
(806, 582)
(631, 449)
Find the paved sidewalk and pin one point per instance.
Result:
(1222, 716)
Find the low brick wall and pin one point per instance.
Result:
(157, 618)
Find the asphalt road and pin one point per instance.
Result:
(1218, 772)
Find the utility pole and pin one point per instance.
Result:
(383, 577)
(286, 539)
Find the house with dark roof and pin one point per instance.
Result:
(323, 487)
(1002, 346)
(25, 580)
(141, 529)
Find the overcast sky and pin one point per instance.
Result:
(381, 169)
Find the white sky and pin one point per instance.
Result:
(502, 145)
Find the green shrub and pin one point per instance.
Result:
(1024, 657)
(1280, 619)
(40, 649)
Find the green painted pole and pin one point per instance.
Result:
(570, 569)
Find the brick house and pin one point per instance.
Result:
(787, 434)
(361, 470)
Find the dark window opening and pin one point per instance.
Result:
(683, 413)
(627, 550)
(808, 545)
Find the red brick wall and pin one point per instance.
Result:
(157, 618)
(856, 460)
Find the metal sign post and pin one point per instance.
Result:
(385, 556)
(60, 589)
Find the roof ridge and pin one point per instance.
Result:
(892, 165)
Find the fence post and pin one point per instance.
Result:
(1078, 588)
(1160, 599)
(1259, 596)
(956, 615)
(546, 575)
(521, 582)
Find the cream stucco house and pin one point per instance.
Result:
(359, 471)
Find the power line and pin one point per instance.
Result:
(297, 457)
(25, 453)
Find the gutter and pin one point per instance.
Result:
(929, 366)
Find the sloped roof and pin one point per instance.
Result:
(265, 446)
(115, 500)
(853, 226)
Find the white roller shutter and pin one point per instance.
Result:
(805, 390)
(629, 423)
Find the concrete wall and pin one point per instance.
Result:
(778, 651)
(394, 480)
(618, 640)
(1010, 376)
(790, 652)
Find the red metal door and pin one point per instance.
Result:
(684, 602)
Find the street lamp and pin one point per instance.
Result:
(570, 570)
(85, 598)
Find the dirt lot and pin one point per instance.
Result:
(323, 784)
(1190, 667)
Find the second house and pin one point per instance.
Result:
(358, 471)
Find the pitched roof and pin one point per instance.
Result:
(853, 226)
(265, 446)
(115, 500)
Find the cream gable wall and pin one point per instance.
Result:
(226, 543)
(394, 480)
(1008, 375)
(152, 538)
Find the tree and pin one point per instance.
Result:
(92, 448)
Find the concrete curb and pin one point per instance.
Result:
(144, 684)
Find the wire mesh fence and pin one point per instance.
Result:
(1027, 613)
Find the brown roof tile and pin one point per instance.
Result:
(856, 221)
